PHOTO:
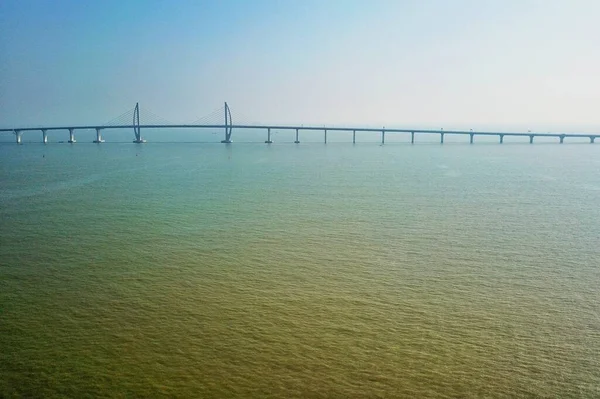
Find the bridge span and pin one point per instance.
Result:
(228, 128)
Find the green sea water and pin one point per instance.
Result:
(311, 270)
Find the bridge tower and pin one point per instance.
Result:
(136, 125)
(228, 124)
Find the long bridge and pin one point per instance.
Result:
(228, 126)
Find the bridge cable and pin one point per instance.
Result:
(123, 119)
(216, 117)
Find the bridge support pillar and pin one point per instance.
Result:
(44, 136)
(562, 138)
(98, 137)
(268, 136)
(501, 139)
(354, 137)
(18, 136)
(383, 137)
(441, 138)
(592, 139)
(412, 137)
(72, 136)
(471, 136)
(297, 141)
(325, 136)
(531, 136)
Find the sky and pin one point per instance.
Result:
(483, 64)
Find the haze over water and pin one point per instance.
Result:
(247, 270)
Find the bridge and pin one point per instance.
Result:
(226, 124)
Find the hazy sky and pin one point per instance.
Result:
(529, 64)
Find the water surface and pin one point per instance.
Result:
(246, 270)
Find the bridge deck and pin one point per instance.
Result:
(304, 128)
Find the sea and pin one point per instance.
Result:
(205, 270)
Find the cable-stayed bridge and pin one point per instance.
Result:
(221, 118)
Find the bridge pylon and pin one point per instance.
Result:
(228, 124)
(136, 125)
